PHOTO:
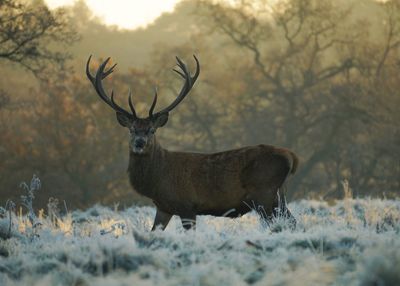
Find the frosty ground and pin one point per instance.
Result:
(352, 242)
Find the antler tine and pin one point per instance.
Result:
(100, 75)
(114, 105)
(153, 105)
(189, 82)
(179, 72)
(186, 73)
(98, 86)
(109, 71)
(131, 104)
(197, 73)
(88, 74)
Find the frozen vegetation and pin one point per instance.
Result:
(352, 242)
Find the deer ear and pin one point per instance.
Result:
(123, 119)
(161, 120)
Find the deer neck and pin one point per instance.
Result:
(144, 169)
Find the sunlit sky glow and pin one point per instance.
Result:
(127, 14)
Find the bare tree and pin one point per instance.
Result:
(315, 72)
(32, 36)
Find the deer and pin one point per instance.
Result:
(189, 184)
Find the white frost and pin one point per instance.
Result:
(354, 242)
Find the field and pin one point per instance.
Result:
(352, 242)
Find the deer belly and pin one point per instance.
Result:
(218, 200)
(231, 212)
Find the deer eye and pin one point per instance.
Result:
(152, 130)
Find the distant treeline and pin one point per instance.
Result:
(320, 77)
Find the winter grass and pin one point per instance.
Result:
(353, 242)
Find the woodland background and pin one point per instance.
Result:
(320, 77)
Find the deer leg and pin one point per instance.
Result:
(281, 210)
(188, 222)
(161, 220)
(269, 207)
(264, 203)
(265, 211)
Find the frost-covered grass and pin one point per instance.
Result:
(354, 242)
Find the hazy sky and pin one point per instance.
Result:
(124, 13)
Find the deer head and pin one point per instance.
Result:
(141, 130)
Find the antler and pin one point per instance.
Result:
(98, 86)
(189, 82)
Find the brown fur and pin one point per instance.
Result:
(224, 183)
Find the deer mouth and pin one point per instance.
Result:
(138, 150)
(138, 145)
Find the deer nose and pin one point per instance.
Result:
(139, 143)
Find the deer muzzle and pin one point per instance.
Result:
(139, 144)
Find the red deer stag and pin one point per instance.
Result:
(190, 184)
